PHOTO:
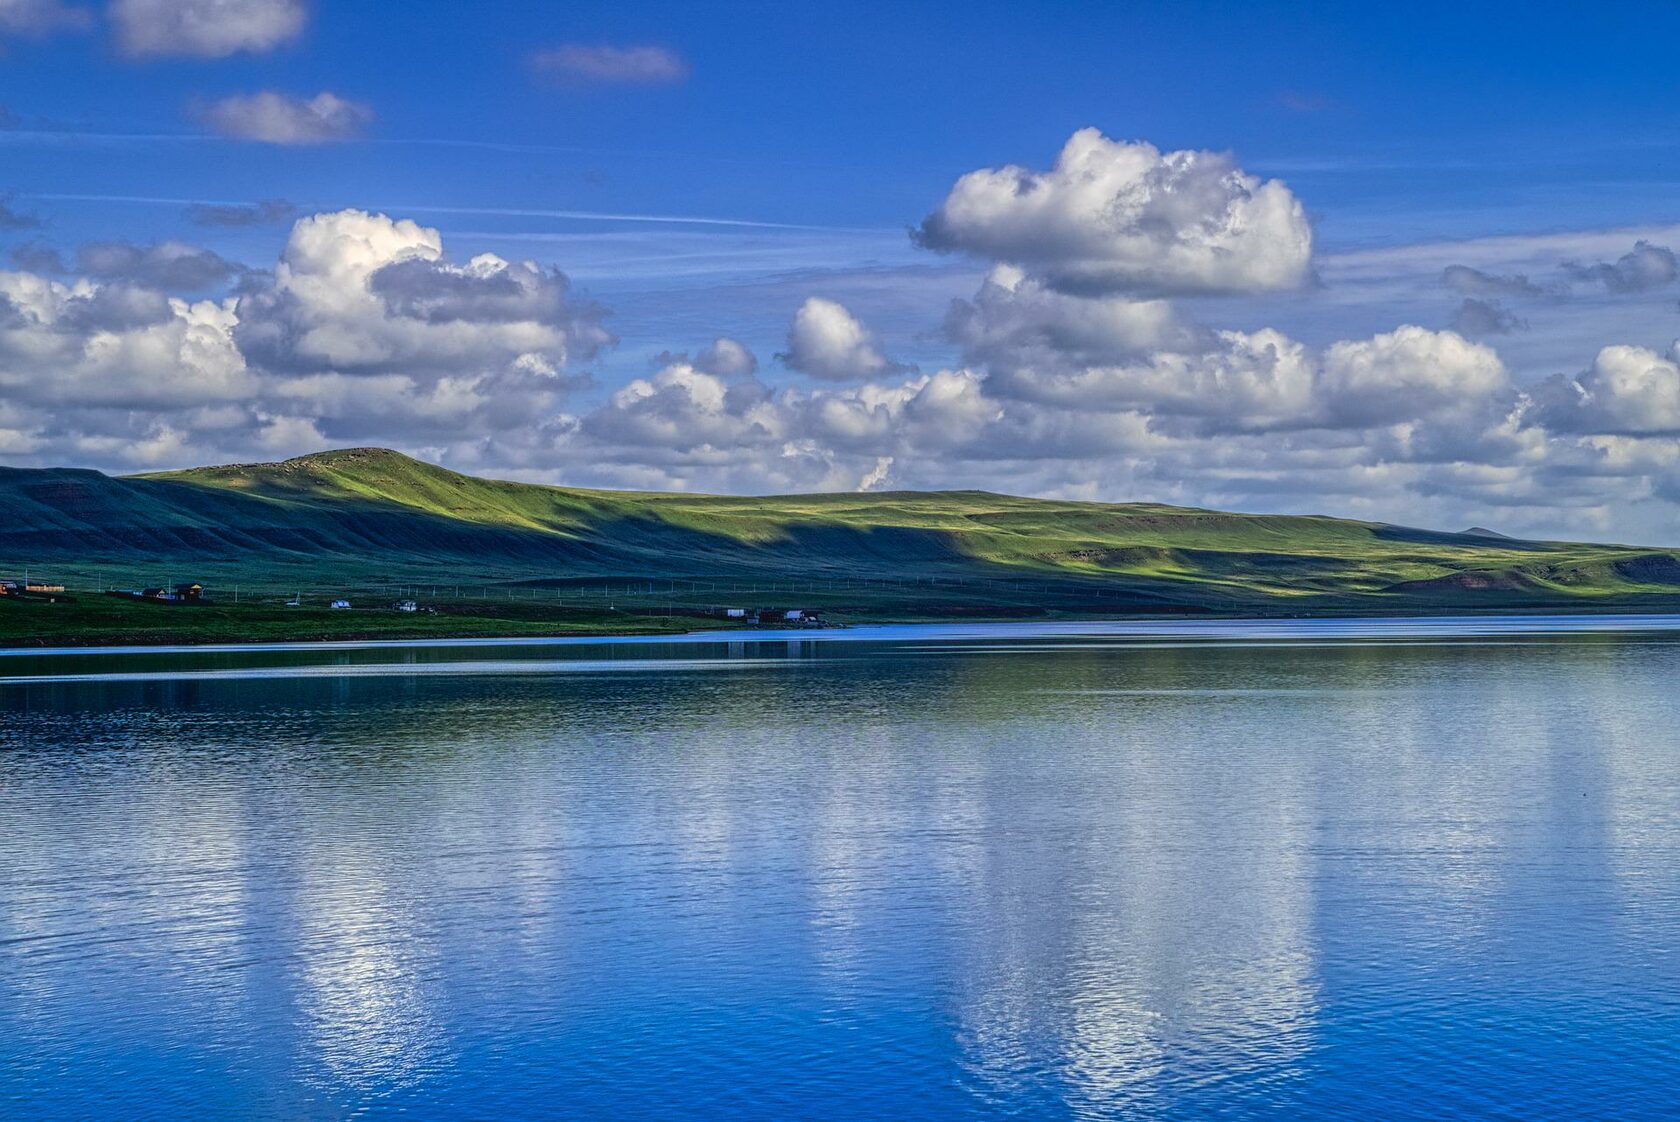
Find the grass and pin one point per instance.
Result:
(369, 521)
(95, 620)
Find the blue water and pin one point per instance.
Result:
(1362, 870)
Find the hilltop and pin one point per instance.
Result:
(371, 518)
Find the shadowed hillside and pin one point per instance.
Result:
(376, 515)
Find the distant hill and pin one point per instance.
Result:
(374, 514)
(1484, 532)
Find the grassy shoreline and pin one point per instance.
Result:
(498, 559)
(100, 621)
(357, 520)
(93, 620)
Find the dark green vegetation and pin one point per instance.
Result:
(95, 620)
(511, 558)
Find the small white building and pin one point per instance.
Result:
(794, 614)
(735, 613)
(340, 604)
(407, 605)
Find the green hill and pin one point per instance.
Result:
(372, 518)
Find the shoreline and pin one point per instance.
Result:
(1211, 628)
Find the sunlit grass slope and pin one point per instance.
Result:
(376, 514)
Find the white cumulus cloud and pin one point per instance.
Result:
(1630, 391)
(1407, 374)
(1015, 322)
(827, 341)
(1119, 217)
(365, 332)
(362, 293)
(85, 346)
(205, 28)
(727, 358)
(276, 118)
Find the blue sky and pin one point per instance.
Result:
(1424, 121)
(698, 173)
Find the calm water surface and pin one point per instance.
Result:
(1276, 871)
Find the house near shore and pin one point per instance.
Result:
(189, 593)
(407, 605)
(341, 605)
(754, 617)
(30, 586)
(33, 588)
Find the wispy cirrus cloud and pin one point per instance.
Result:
(1305, 101)
(580, 64)
(275, 118)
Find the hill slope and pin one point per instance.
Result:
(376, 515)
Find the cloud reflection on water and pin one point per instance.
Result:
(1079, 881)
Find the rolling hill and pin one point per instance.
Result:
(373, 517)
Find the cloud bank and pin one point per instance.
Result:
(1082, 364)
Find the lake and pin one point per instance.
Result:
(1377, 869)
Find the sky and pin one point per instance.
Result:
(1406, 263)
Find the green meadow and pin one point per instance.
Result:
(502, 558)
